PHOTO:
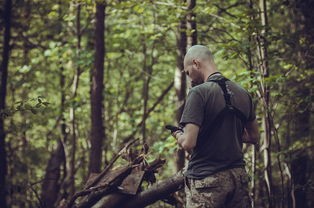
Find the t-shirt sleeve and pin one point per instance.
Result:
(252, 115)
(194, 109)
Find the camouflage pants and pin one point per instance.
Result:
(225, 189)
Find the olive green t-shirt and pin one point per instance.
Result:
(216, 148)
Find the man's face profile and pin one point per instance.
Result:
(193, 70)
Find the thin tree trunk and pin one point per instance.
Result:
(3, 89)
(190, 37)
(145, 88)
(180, 83)
(148, 73)
(148, 70)
(191, 24)
(63, 125)
(250, 62)
(180, 88)
(73, 107)
(264, 69)
(51, 183)
(97, 127)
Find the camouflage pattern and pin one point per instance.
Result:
(224, 189)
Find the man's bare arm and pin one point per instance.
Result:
(251, 133)
(187, 139)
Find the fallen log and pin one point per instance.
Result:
(157, 191)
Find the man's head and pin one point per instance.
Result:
(199, 64)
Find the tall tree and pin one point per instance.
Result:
(75, 85)
(3, 89)
(250, 66)
(63, 123)
(180, 87)
(264, 70)
(191, 24)
(180, 81)
(189, 38)
(51, 182)
(147, 78)
(97, 89)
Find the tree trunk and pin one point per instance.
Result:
(187, 37)
(145, 94)
(148, 69)
(180, 83)
(62, 82)
(158, 191)
(3, 90)
(250, 61)
(190, 37)
(73, 107)
(97, 127)
(51, 183)
(264, 69)
(191, 24)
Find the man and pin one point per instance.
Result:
(218, 117)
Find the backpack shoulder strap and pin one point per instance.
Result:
(229, 107)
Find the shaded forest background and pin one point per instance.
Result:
(81, 78)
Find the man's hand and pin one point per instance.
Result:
(187, 138)
(174, 134)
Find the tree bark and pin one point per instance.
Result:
(148, 69)
(251, 70)
(73, 107)
(146, 81)
(190, 37)
(51, 183)
(191, 24)
(3, 90)
(180, 82)
(62, 82)
(156, 192)
(97, 89)
(264, 70)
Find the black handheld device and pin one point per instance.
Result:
(173, 128)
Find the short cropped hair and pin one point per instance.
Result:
(198, 51)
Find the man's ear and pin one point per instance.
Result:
(197, 63)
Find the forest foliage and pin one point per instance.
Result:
(267, 46)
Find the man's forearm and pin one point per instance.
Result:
(181, 142)
(187, 137)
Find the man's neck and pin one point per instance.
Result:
(210, 73)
